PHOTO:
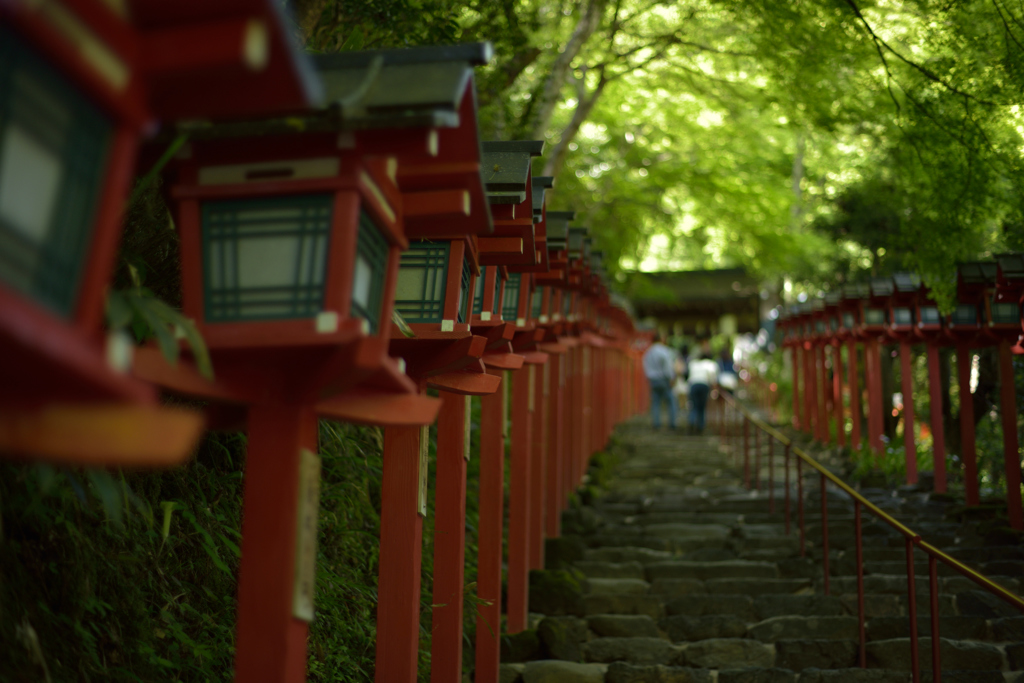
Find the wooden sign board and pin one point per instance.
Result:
(304, 584)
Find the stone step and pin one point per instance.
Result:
(768, 606)
(683, 628)
(635, 650)
(755, 587)
(958, 655)
(954, 627)
(621, 672)
(726, 653)
(709, 570)
(610, 570)
(618, 586)
(699, 605)
(596, 603)
(803, 654)
(626, 553)
(791, 627)
(623, 625)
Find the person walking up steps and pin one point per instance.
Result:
(703, 375)
(659, 368)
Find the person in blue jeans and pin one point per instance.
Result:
(659, 368)
(703, 375)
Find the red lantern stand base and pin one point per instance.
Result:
(521, 489)
(450, 362)
(275, 591)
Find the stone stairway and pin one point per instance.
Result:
(678, 574)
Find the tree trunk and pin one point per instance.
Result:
(551, 95)
(583, 109)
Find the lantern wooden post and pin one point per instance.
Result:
(967, 448)
(539, 464)
(401, 546)
(856, 400)
(555, 439)
(873, 369)
(271, 642)
(520, 503)
(797, 376)
(837, 392)
(449, 538)
(492, 513)
(938, 430)
(1011, 454)
(907, 382)
(824, 435)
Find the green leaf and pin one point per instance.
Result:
(169, 506)
(108, 491)
(119, 311)
(355, 40)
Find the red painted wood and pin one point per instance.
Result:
(907, 384)
(539, 465)
(449, 541)
(569, 410)
(938, 432)
(811, 389)
(1011, 455)
(855, 397)
(824, 435)
(968, 454)
(554, 416)
(271, 644)
(492, 501)
(873, 371)
(401, 545)
(520, 502)
(797, 422)
(837, 393)
(92, 293)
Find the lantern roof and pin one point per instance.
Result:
(540, 184)
(834, 298)
(419, 86)
(817, 305)
(273, 74)
(882, 286)
(856, 291)
(577, 236)
(977, 272)
(906, 283)
(1011, 266)
(505, 167)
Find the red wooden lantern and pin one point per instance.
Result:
(291, 252)
(80, 84)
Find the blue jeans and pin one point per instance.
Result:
(661, 391)
(698, 402)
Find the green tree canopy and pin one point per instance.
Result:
(810, 141)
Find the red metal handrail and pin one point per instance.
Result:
(912, 539)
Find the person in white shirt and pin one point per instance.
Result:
(703, 375)
(659, 368)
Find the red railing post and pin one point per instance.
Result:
(800, 503)
(933, 585)
(824, 532)
(796, 389)
(746, 452)
(771, 476)
(862, 660)
(785, 459)
(915, 664)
